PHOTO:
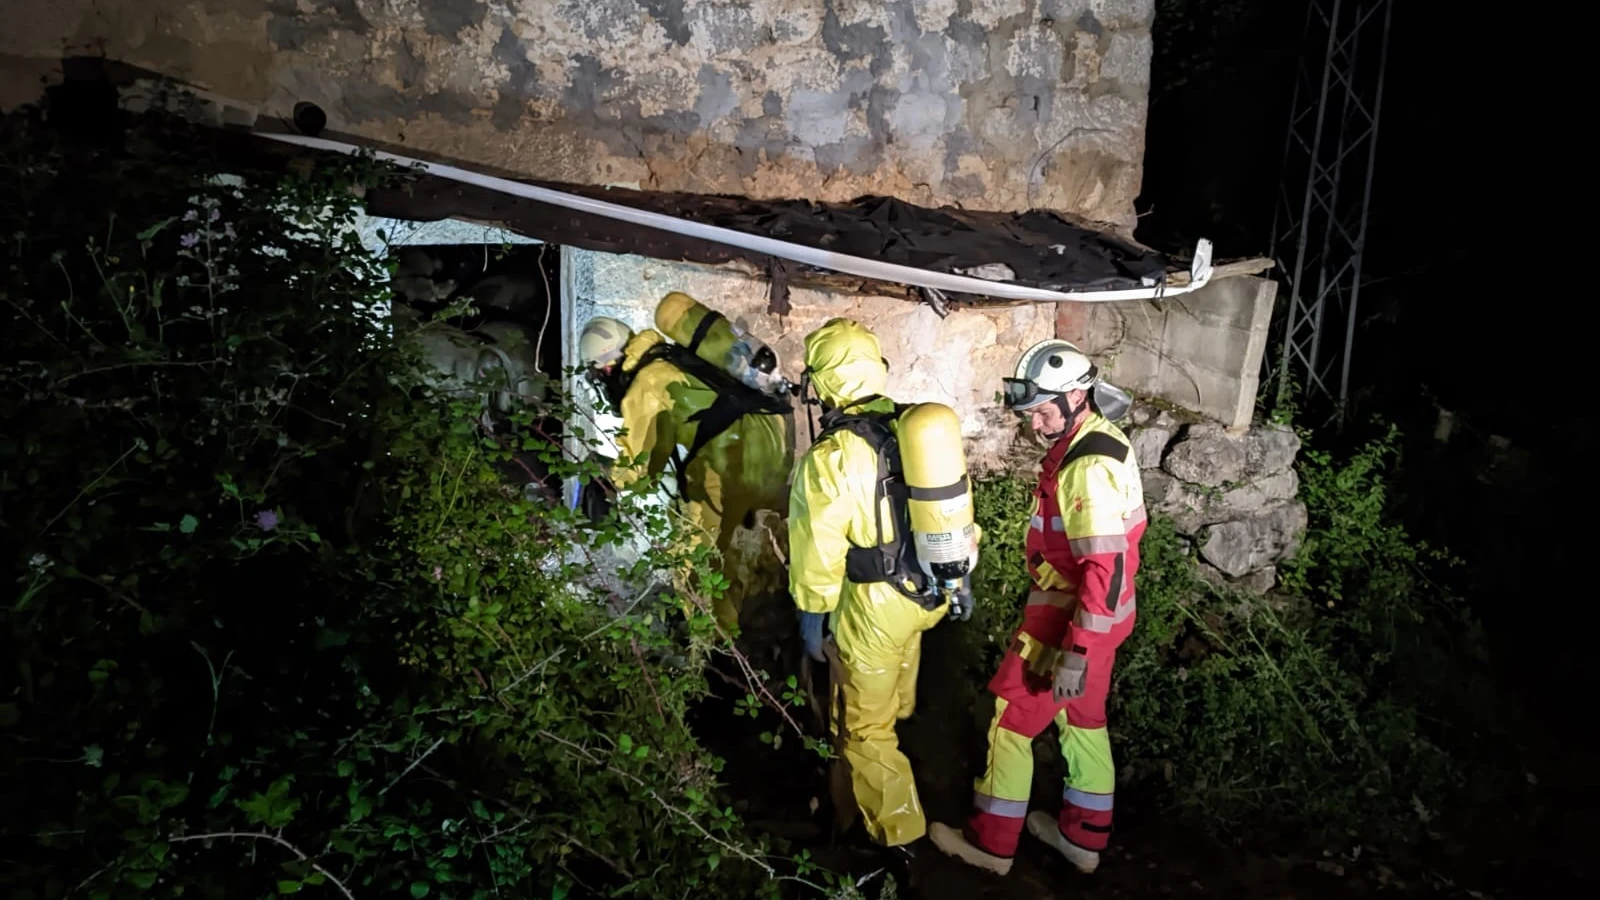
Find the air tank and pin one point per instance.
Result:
(934, 465)
(722, 343)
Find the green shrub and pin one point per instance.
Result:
(282, 625)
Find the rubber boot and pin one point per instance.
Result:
(902, 861)
(1043, 826)
(953, 843)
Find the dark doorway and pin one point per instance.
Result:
(495, 322)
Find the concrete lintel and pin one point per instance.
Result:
(1202, 351)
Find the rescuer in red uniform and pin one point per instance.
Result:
(1083, 553)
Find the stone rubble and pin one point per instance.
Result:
(1233, 496)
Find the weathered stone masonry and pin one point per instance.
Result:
(982, 104)
(1233, 496)
(987, 104)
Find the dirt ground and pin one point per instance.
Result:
(783, 793)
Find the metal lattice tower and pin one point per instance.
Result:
(1320, 223)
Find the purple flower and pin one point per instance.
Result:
(216, 214)
(189, 240)
(266, 520)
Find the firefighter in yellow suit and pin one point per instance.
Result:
(877, 630)
(741, 470)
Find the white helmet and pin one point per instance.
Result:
(1049, 369)
(1053, 368)
(602, 341)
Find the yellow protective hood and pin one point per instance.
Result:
(637, 346)
(845, 362)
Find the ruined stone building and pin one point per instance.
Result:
(746, 115)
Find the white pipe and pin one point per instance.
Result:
(1199, 270)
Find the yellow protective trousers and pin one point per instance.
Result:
(878, 633)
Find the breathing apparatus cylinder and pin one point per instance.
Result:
(934, 466)
(722, 343)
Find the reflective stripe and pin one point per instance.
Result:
(994, 806)
(1088, 621)
(1097, 544)
(1040, 658)
(1051, 598)
(1056, 525)
(1036, 523)
(1086, 800)
(1137, 517)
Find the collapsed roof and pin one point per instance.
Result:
(1037, 249)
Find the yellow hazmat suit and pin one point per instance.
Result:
(743, 469)
(877, 629)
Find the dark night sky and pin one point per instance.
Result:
(1465, 301)
(1457, 199)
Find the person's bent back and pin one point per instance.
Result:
(719, 465)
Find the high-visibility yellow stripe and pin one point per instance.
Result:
(1008, 774)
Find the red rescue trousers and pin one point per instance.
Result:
(1023, 708)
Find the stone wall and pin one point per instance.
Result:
(988, 104)
(958, 360)
(1232, 495)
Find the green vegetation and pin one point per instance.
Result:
(283, 625)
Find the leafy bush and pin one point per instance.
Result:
(282, 624)
(1001, 583)
(1323, 706)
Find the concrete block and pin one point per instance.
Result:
(1202, 350)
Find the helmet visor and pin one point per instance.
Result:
(1022, 394)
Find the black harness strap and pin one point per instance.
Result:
(1097, 444)
(703, 329)
(893, 561)
(733, 400)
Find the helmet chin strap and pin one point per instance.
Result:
(1068, 413)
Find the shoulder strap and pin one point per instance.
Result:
(734, 400)
(1097, 443)
(871, 426)
(624, 379)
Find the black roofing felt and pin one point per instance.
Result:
(1041, 249)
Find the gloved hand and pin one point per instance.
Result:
(1072, 673)
(811, 628)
